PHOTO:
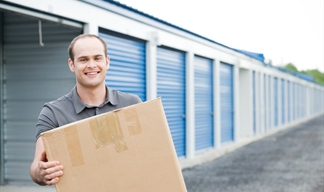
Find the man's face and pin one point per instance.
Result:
(90, 62)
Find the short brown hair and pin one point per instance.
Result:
(70, 49)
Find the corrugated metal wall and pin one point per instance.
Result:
(204, 126)
(127, 70)
(227, 102)
(171, 88)
(33, 75)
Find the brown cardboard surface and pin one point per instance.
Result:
(127, 150)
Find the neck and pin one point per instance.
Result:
(92, 97)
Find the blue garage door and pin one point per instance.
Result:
(299, 101)
(254, 102)
(265, 121)
(204, 134)
(171, 88)
(270, 102)
(304, 101)
(294, 101)
(283, 103)
(227, 104)
(275, 96)
(288, 101)
(127, 70)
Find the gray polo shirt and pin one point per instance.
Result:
(70, 108)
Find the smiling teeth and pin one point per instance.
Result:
(92, 73)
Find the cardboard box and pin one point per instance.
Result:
(126, 150)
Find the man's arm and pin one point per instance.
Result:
(41, 171)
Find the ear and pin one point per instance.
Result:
(71, 64)
(107, 61)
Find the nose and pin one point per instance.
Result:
(91, 64)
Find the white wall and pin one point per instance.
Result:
(245, 100)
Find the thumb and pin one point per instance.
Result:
(43, 157)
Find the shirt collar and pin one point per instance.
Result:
(79, 105)
(111, 96)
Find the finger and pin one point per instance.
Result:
(46, 165)
(53, 175)
(53, 170)
(52, 181)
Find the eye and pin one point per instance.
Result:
(98, 58)
(82, 60)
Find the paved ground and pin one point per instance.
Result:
(289, 161)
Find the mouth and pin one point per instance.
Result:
(92, 73)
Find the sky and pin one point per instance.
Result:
(285, 31)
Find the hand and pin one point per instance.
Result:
(48, 173)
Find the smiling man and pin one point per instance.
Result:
(90, 96)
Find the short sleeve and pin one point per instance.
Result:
(46, 121)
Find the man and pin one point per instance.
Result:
(89, 61)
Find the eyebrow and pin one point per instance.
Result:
(100, 55)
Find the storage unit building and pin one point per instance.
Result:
(213, 95)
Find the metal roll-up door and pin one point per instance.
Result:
(294, 101)
(33, 75)
(288, 101)
(254, 101)
(312, 103)
(275, 96)
(204, 126)
(283, 103)
(127, 71)
(320, 99)
(227, 103)
(265, 122)
(316, 99)
(299, 100)
(270, 102)
(171, 88)
(304, 100)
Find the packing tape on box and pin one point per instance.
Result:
(106, 130)
(74, 146)
(132, 120)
